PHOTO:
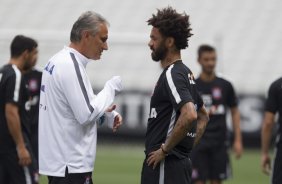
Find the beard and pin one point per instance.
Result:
(27, 66)
(159, 53)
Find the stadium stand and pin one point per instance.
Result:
(246, 33)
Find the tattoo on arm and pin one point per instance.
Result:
(202, 121)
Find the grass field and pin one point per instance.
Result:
(122, 165)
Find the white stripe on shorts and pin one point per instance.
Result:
(161, 180)
(27, 175)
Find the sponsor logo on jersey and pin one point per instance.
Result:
(207, 99)
(216, 93)
(32, 85)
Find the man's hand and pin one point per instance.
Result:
(24, 156)
(238, 149)
(111, 108)
(117, 122)
(155, 158)
(266, 164)
(117, 119)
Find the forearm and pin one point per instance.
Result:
(265, 137)
(14, 127)
(201, 126)
(182, 127)
(236, 124)
(101, 102)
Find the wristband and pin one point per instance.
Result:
(164, 151)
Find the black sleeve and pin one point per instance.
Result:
(271, 104)
(13, 87)
(177, 85)
(232, 99)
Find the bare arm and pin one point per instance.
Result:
(237, 145)
(183, 125)
(14, 126)
(202, 122)
(266, 132)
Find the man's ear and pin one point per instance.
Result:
(85, 34)
(25, 54)
(170, 42)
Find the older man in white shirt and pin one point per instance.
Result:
(69, 110)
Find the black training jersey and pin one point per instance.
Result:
(175, 87)
(274, 103)
(218, 95)
(12, 90)
(33, 82)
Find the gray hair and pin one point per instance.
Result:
(88, 21)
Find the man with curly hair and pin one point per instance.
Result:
(176, 107)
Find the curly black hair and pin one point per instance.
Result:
(172, 24)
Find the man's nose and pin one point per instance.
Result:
(150, 44)
(105, 46)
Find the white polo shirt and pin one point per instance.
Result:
(68, 112)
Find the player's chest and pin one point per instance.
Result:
(160, 95)
(214, 99)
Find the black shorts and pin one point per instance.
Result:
(276, 176)
(72, 178)
(172, 170)
(12, 172)
(210, 163)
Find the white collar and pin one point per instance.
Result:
(81, 58)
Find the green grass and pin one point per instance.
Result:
(122, 165)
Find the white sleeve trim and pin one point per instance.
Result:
(172, 86)
(17, 83)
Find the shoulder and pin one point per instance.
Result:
(7, 69)
(62, 58)
(277, 81)
(61, 62)
(178, 69)
(277, 84)
(223, 81)
(175, 73)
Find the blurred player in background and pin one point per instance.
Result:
(69, 110)
(210, 157)
(176, 107)
(273, 105)
(16, 157)
(32, 78)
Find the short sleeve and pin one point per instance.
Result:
(178, 88)
(232, 99)
(12, 90)
(271, 104)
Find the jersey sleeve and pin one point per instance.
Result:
(271, 104)
(177, 85)
(232, 99)
(13, 88)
